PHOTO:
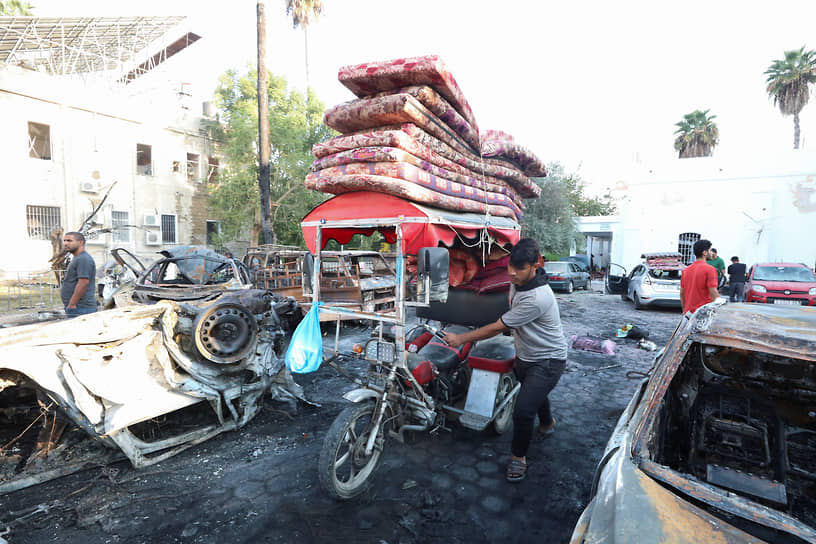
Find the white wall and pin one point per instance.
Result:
(761, 209)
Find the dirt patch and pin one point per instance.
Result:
(261, 483)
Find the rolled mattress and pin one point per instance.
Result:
(339, 184)
(373, 77)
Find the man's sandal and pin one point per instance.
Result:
(516, 470)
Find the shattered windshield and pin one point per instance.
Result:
(783, 273)
(661, 274)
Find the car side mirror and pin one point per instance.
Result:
(433, 264)
(308, 273)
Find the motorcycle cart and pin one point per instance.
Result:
(415, 382)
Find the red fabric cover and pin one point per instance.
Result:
(401, 171)
(339, 184)
(697, 278)
(366, 205)
(493, 134)
(372, 77)
(493, 267)
(527, 161)
(502, 367)
(424, 372)
(463, 266)
(419, 341)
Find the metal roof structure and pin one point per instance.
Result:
(83, 45)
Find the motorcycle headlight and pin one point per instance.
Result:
(812, 291)
(759, 289)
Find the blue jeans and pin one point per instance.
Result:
(76, 312)
(737, 292)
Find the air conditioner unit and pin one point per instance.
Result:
(89, 187)
(151, 220)
(153, 239)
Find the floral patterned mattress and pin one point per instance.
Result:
(372, 77)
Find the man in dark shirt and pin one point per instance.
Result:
(78, 287)
(736, 280)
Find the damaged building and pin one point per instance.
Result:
(85, 115)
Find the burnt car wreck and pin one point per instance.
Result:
(144, 382)
(720, 443)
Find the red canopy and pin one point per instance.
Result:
(365, 212)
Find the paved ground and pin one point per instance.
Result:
(260, 483)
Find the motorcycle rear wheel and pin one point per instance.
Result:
(503, 420)
(344, 468)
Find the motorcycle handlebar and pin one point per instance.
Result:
(439, 333)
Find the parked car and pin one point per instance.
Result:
(717, 445)
(654, 282)
(781, 283)
(566, 276)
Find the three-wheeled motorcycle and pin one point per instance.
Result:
(414, 381)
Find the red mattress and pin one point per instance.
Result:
(373, 77)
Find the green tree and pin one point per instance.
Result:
(549, 218)
(697, 134)
(294, 127)
(581, 204)
(789, 83)
(15, 7)
(304, 13)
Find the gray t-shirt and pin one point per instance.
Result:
(82, 266)
(536, 324)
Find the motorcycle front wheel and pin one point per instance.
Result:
(344, 467)
(503, 420)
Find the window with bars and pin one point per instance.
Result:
(39, 141)
(120, 232)
(41, 220)
(685, 246)
(168, 229)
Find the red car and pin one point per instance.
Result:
(781, 283)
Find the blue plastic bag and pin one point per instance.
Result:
(305, 353)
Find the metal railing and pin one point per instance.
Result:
(31, 290)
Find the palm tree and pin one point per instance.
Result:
(789, 84)
(304, 13)
(14, 7)
(697, 135)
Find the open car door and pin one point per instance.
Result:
(617, 283)
(127, 259)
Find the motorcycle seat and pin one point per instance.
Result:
(442, 355)
(497, 354)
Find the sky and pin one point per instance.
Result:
(595, 85)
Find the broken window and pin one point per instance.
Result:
(119, 226)
(212, 170)
(213, 230)
(685, 246)
(39, 141)
(144, 160)
(192, 166)
(168, 229)
(41, 220)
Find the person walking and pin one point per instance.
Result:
(541, 349)
(78, 287)
(698, 284)
(736, 280)
(714, 260)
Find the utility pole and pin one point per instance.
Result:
(267, 234)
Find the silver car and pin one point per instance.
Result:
(654, 282)
(566, 276)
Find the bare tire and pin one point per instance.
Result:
(344, 468)
(570, 287)
(505, 418)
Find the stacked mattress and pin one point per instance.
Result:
(411, 133)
